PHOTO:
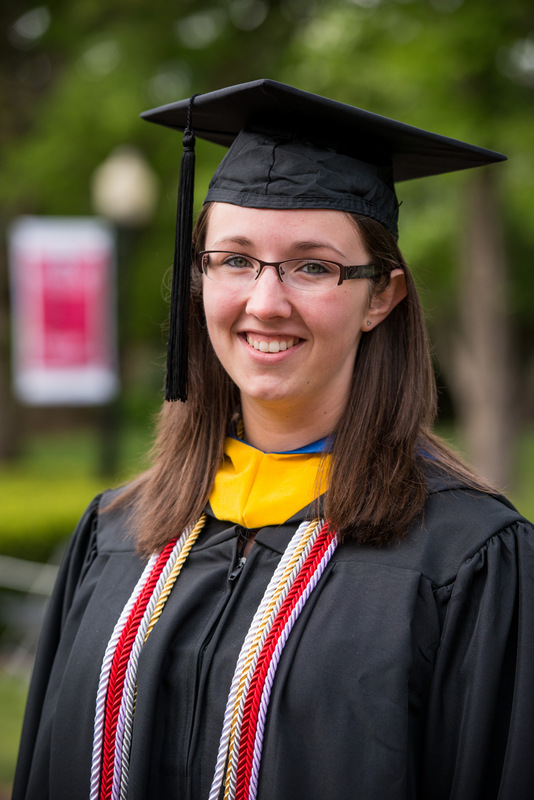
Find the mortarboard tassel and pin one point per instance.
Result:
(177, 346)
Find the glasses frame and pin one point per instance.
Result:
(346, 273)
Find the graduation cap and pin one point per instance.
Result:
(292, 149)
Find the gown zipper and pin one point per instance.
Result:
(243, 536)
(236, 572)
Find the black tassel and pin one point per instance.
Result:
(178, 343)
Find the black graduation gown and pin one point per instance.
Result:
(408, 676)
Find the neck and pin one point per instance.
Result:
(270, 430)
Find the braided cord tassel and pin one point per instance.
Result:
(151, 616)
(297, 574)
(250, 715)
(103, 683)
(118, 668)
(327, 552)
(294, 565)
(117, 685)
(126, 707)
(269, 604)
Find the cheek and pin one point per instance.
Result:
(214, 303)
(221, 310)
(340, 321)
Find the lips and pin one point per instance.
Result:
(271, 345)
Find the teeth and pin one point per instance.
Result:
(270, 347)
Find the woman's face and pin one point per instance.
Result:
(314, 335)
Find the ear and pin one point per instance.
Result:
(383, 302)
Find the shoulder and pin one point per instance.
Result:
(460, 523)
(101, 534)
(458, 526)
(104, 527)
(113, 523)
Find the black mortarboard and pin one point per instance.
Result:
(293, 149)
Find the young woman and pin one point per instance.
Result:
(307, 595)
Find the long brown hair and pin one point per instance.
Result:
(377, 484)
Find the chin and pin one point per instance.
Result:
(266, 393)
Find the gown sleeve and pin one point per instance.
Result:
(79, 554)
(480, 723)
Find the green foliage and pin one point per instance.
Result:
(43, 496)
(38, 516)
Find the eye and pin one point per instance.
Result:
(238, 261)
(314, 268)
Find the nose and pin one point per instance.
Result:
(268, 296)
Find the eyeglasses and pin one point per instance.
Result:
(308, 274)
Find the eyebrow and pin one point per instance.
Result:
(229, 240)
(300, 247)
(314, 245)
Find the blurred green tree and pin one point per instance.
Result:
(75, 76)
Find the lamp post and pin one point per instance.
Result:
(124, 191)
(124, 188)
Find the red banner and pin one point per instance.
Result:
(63, 311)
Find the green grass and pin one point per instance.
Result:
(13, 692)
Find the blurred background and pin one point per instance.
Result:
(77, 161)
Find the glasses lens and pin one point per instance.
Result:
(310, 275)
(227, 267)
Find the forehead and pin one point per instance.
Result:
(289, 228)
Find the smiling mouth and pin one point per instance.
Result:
(275, 346)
